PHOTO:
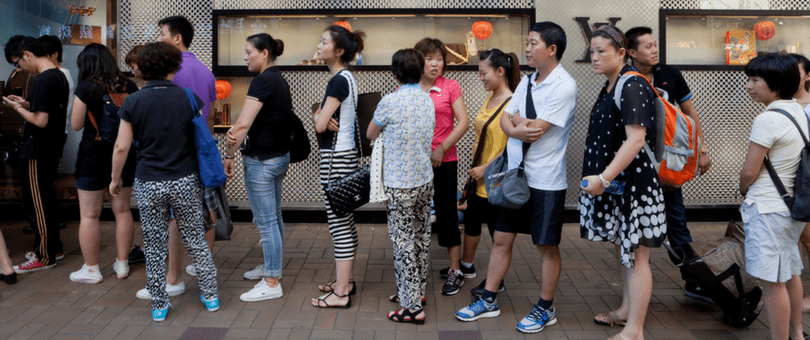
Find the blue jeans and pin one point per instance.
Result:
(263, 185)
(677, 233)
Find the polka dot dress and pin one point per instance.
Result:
(637, 216)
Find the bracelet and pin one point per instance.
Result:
(443, 148)
(228, 157)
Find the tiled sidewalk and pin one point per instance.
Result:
(46, 304)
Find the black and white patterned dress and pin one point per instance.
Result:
(636, 217)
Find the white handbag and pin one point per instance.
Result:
(377, 189)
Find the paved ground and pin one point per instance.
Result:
(46, 304)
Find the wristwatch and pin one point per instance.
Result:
(704, 149)
(605, 184)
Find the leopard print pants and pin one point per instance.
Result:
(184, 196)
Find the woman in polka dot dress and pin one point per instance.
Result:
(621, 201)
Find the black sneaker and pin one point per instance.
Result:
(478, 290)
(453, 284)
(693, 290)
(136, 255)
(469, 273)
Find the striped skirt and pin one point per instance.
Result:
(344, 233)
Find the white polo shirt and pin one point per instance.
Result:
(555, 101)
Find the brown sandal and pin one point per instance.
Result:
(328, 287)
(610, 319)
(405, 315)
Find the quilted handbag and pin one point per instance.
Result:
(352, 191)
(212, 172)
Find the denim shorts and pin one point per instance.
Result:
(541, 217)
(98, 183)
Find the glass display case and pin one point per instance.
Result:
(464, 31)
(718, 39)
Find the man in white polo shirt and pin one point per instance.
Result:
(539, 124)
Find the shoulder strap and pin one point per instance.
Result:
(482, 139)
(617, 98)
(95, 125)
(195, 109)
(780, 187)
(806, 142)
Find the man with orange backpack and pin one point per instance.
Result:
(669, 81)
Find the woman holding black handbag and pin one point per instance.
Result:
(499, 72)
(266, 120)
(335, 120)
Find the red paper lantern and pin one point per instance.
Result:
(343, 23)
(765, 30)
(223, 89)
(482, 29)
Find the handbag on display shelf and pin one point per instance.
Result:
(352, 191)
(212, 172)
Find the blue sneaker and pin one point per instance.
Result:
(538, 319)
(212, 305)
(478, 309)
(159, 315)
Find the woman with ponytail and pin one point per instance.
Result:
(340, 153)
(266, 121)
(500, 74)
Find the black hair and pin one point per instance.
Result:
(508, 61)
(263, 41)
(802, 60)
(350, 42)
(633, 34)
(18, 44)
(52, 45)
(97, 63)
(551, 34)
(780, 72)
(620, 43)
(157, 60)
(132, 56)
(178, 24)
(430, 46)
(408, 65)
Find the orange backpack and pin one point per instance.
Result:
(677, 144)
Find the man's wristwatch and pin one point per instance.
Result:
(605, 184)
(704, 149)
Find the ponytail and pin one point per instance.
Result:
(508, 61)
(263, 41)
(350, 42)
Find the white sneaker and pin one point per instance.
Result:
(121, 269)
(262, 291)
(173, 290)
(191, 270)
(30, 255)
(255, 274)
(87, 274)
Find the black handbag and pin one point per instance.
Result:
(12, 155)
(352, 191)
(299, 141)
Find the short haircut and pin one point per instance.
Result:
(633, 34)
(178, 24)
(551, 34)
(780, 72)
(408, 65)
(52, 45)
(431, 46)
(18, 44)
(802, 60)
(157, 60)
(132, 56)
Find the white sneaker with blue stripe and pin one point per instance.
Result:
(538, 319)
(478, 309)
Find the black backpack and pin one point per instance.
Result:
(799, 204)
(108, 129)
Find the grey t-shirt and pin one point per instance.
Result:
(160, 114)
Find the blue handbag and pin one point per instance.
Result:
(212, 172)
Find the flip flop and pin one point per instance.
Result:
(610, 319)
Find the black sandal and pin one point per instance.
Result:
(351, 292)
(326, 305)
(405, 315)
(395, 299)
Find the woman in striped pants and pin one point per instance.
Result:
(335, 121)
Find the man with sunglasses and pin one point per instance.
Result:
(43, 136)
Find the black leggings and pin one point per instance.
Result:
(445, 184)
(480, 211)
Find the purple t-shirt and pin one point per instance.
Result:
(196, 76)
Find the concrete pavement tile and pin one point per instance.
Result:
(247, 333)
(110, 332)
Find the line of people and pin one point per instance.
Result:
(527, 118)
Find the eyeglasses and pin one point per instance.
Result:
(16, 64)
